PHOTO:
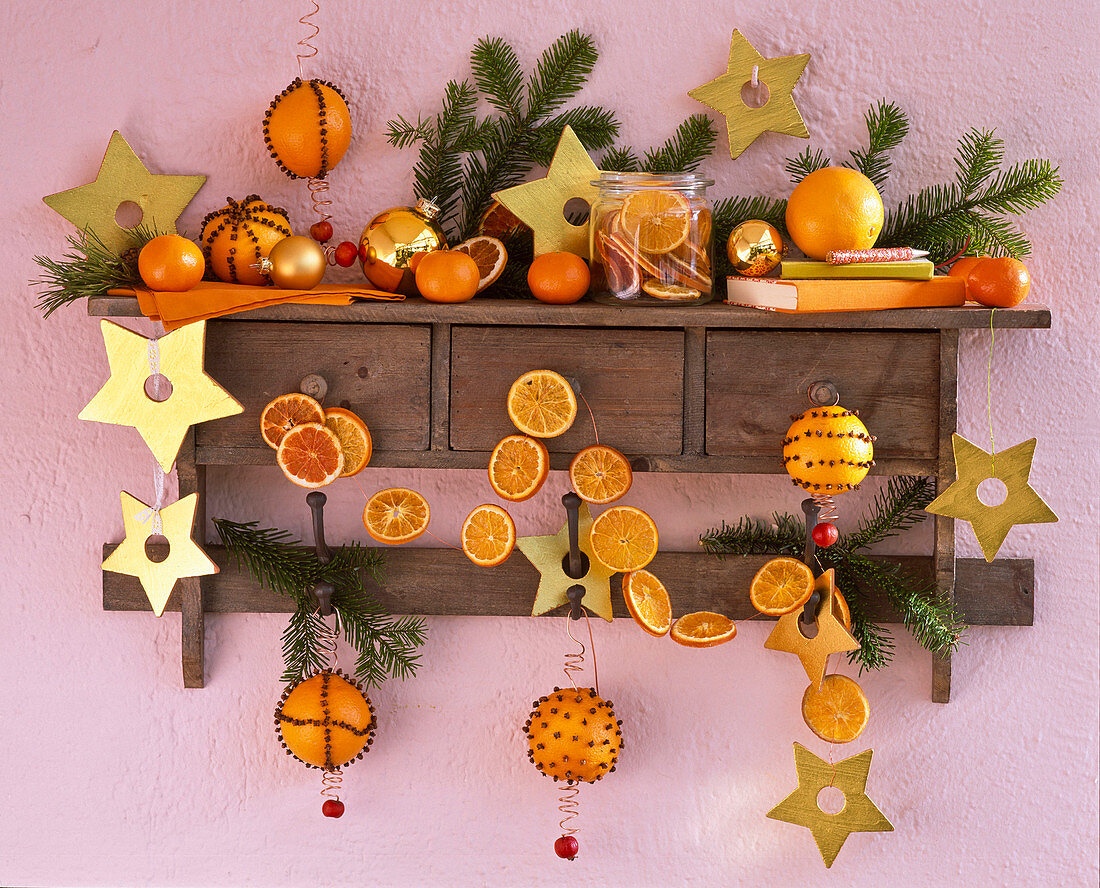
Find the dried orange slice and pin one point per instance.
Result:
(671, 292)
(286, 412)
(780, 586)
(656, 221)
(310, 455)
(355, 440)
(542, 403)
(624, 538)
(600, 474)
(703, 629)
(488, 535)
(648, 602)
(518, 466)
(841, 610)
(396, 515)
(836, 709)
(490, 256)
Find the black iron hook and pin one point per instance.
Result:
(322, 590)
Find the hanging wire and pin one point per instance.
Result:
(827, 503)
(308, 50)
(569, 809)
(330, 784)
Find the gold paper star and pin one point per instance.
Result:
(1022, 505)
(541, 203)
(831, 638)
(195, 396)
(547, 554)
(744, 123)
(123, 177)
(830, 831)
(185, 558)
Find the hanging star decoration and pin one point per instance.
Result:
(745, 123)
(831, 637)
(548, 554)
(194, 398)
(123, 177)
(830, 831)
(185, 558)
(541, 204)
(1021, 505)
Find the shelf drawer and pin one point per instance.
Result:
(633, 381)
(755, 380)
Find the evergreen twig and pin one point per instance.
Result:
(804, 163)
(887, 127)
(691, 144)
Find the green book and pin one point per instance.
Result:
(810, 270)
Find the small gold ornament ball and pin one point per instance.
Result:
(392, 238)
(296, 263)
(755, 248)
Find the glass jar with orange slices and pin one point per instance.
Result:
(651, 239)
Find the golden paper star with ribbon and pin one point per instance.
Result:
(1021, 505)
(830, 831)
(194, 398)
(744, 123)
(123, 177)
(831, 637)
(548, 553)
(185, 558)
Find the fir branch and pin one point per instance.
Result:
(304, 649)
(595, 127)
(691, 144)
(978, 156)
(272, 557)
(560, 73)
(498, 76)
(620, 160)
(887, 127)
(804, 163)
(752, 536)
(1022, 187)
(896, 508)
(876, 642)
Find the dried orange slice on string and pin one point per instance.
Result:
(396, 515)
(648, 602)
(490, 256)
(600, 474)
(310, 455)
(355, 440)
(542, 403)
(841, 611)
(836, 709)
(286, 412)
(655, 221)
(518, 467)
(488, 535)
(781, 586)
(624, 538)
(703, 629)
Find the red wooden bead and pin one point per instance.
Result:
(346, 254)
(824, 534)
(567, 847)
(333, 808)
(320, 231)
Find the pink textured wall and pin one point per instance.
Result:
(112, 774)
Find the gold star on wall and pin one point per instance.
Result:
(541, 204)
(123, 177)
(1021, 505)
(830, 831)
(547, 554)
(744, 123)
(831, 637)
(195, 396)
(185, 558)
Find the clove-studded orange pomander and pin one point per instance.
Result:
(828, 450)
(573, 735)
(325, 721)
(307, 128)
(238, 236)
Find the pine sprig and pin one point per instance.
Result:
(887, 127)
(896, 508)
(560, 73)
(804, 163)
(691, 144)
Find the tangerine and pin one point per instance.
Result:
(171, 263)
(998, 283)
(558, 278)
(834, 208)
(447, 276)
(964, 265)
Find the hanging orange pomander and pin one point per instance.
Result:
(307, 128)
(238, 237)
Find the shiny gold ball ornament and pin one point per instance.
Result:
(755, 248)
(307, 128)
(573, 735)
(392, 238)
(325, 721)
(295, 263)
(828, 450)
(239, 236)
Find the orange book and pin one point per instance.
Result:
(843, 295)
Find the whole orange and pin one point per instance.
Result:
(171, 263)
(558, 278)
(999, 283)
(834, 208)
(447, 276)
(964, 265)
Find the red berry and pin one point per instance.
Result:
(567, 847)
(346, 254)
(333, 808)
(320, 231)
(824, 534)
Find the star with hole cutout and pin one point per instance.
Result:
(1021, 505)
(185, 558)
(831, 637)
(123, 177)
(194, 398)
(830, 831)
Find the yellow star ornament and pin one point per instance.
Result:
(1021, 505)
(743, 122)
(547, 554)
(194, 398)
(830, 831)
(123, 177)
(831, 637)
(185, 558)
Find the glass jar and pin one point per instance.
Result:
(651, 239)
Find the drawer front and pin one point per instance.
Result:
(755, 380)
(380, 372)
(633, 381)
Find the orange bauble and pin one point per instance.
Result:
(573, 735)
(447, 276)
(307, 128)
(236, 238)
(558, 278)
(171, 263)
(325, 721)
(999, 283)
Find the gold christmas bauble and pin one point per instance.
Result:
(755, 248)
(573, 735)
(828, 450)
(325, 721)
(392, 238)
(239, 236)
(307, 128)
(295, 263)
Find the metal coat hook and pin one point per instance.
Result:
(576, 567)
(322, 590)
(809, 610)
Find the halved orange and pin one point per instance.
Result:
(841, 610)
(656, 221)
(671, 292)
(488, 535)
(703, 629)
(624, 538)
(490, 256)
(355, 440)
(836, 709)
(542, 403)
(518, 467)
(648, 602)
(286, 412)
(600, 474)
(310, 455)
(396, 515)
(780, 586)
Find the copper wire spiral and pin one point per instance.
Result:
(330, 784)
(827, 503)
(574, 661)
(305, 41)
(318, 189)
(568, 808)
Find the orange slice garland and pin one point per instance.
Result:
(780, 586)
(488, 535)
(286, 412)
(703, 629)
(541, 403)
(624, 538)
(648, 602)
(355, 439)
(396, 515)
(310, 455)
(518, 467)
(837, 709)
(600, 474)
